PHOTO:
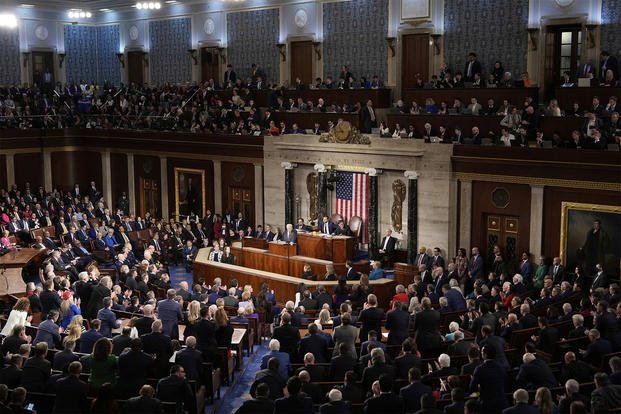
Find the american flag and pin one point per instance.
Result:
(352, 198)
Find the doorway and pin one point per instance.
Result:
(135, 67)
(210, 64)
(149, 196)
(501, 231)
(414, 59)
(43, 69)
(240, 199)
(301, 62)
(563, 48)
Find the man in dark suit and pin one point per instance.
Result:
(271, 378)
(261, 404)
(190, 359)
(474, 360)
(378, 367)
(65, 357)
(296, 401)
(143, 324)
(436, 259)
(158, 344)
(36, 370)
(520, 399)
(342, 363)
(411, 394)
(475, 265)
(608, 62)
(489, 380)
(107, 318)
(327, 227)
(169, 312)
(459, 347)
(456, 301)
(368, 119)
(71, 392)
(575, 369)
(314, 344)
(472, 66)
(370, 317)
(596, 349)
(11, 374)
(535, 373)
(386, 401)
(290, 235)
(496, 343)
(600, 280)
(557, 271)
(134, 368)
(606, 396)
(230, 77)
(547, 337)
(387, 246)
(407, 360)
(422, 258)
(144, 403)
(288, 336)
(427, 325)
(175, 387)
(397, 323)
(336, 404)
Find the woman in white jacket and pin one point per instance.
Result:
(18, 316)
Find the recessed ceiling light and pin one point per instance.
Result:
(28, 6)
(171, 1)
(104, 10)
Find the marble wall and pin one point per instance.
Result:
(354, 34)
(169, 41)
(251, 38)
(9, 57)
(490, 31)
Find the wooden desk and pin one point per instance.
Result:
(584, 96)
(237, 343)
(282, 249)
(306, 120)
(12, 265)
(515, 96)
(380, 97)
(256, 243)
(284, 286)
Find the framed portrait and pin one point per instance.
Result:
(591, 234)
(189, 192)
(415, 10)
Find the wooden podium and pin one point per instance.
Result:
(282, 249)
(12, 265)
(338, 249)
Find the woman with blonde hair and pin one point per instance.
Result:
(330, 273)
(324, 318)
(544, 401)
(192, 318)
(75, 327)
(68, 309)
(18, 316)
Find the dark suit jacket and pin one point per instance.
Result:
(536, 374)
(290, 237)
(596, 350)
(256, 406)
(371, 320)
(158, 344)
(315, 345)
(142, 405)
(489, 379)
(173, 389)
(397, 323)
(190, 359)
(273, 380)
(468, 369)
(427, 325)
(390, 247)
(63, 358)
(331, 227)
(335, 407)
(521, 408)
(384, 403)
(11, 376)
(35, 373)
(373, 373)
(299, 403)
(71, 396)
(289, 337)
(134, 369)
(410, 394)
(339, 365)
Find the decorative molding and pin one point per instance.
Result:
(288, 165)
(538, 181)
(411, 175)
(320, 168)
(372, 172)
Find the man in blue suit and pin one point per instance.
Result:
(314, 344)
(88, 338)
(488, 380)
(410, 394)
(290, 235)
(169, 312)
(475, 265)
(110, 240)
(456, 301)
(283, 358)
(520, 399)
(107, 318)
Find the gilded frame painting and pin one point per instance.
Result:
(189, 192)
(415, 10)
(582, 246)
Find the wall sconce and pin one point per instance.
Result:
(590, 36)
(26, 57)
(61, 59)
(145, 58)
(221, 53)
(391, 44)
(121, 58)
(435, 39)
(532, 32)
(193, 55)
(282, 49)
(316, 48)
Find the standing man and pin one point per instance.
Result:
(169, 312)
(472, 66)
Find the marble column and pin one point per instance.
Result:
(10, 171)
(258, 195)
(373, 211)
(106, 175)
(289, 191)
(412, 177)
(47, 171)
(465, 213)
(164, 185)
(131, 184)
(536, 219)
(217, 186)
(322, 188)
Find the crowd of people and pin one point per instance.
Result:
(399, 356)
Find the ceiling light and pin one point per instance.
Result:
(151, 5)
(8, 20)
(79, 14)
(26, 5)
(104, 10)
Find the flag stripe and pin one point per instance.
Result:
(352, 198)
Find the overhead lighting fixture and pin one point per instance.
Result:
(104, 10)
(27, 6)
(171, 1)
(8, 20)
(79, 14)
(150, 5)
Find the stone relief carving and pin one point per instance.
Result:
(312, 186)
(398, 194)
(344, 133)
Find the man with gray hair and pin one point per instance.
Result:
(521, 406)
(311, 389)
(230, 299)
(335, 405)
(572, 394)
(535, 373)
(107, 318)
(283, 358)
(377, 368)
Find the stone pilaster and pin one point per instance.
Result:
(258, 194)
(536, 219)
(131, 184)
(373, 211)
(412, 177)
(289, 191)
(323, 190)
(217, 186)
(164, 185)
